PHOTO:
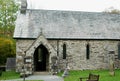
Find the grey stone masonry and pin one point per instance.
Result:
(100, 53)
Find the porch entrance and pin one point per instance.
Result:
(41, 59)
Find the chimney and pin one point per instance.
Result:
(23, 6)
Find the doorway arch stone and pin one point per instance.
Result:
(41, 40)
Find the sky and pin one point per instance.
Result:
(74, 5)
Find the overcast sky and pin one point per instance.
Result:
(75, 5)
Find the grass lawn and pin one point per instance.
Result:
(9, 75)
(12, 75)
(104, 75)
(73, 75)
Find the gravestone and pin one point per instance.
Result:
(66, 72)
(54, 66)
(112, 72)
(111, 63)
(10, 64)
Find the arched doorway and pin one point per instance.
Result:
(41, 59)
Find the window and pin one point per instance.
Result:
(39, 54)
(119, 51)
(64, 51)
(87, 51)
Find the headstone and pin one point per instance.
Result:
(112, 72)
(10, 64)
(66, 72)
(111, 63)
(54, 66)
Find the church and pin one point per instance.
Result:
(80, 40)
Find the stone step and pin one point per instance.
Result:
(42, 73)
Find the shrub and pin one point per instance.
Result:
(7, 49)
(0, 72)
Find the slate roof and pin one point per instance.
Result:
(57, 24)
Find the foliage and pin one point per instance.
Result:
(111, 10)
(104, 75)
(0, 72)
(8, 12)
(7, 49)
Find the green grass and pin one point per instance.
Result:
(9, 75)
(12, 75)
(104, 75)
(73, 75)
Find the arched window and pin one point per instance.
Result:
(119, 51)
(87, 51)
(64, 51)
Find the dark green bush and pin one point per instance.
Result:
(7, 49)
(0, 72)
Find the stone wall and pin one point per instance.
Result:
(21, 47)
(100, 54)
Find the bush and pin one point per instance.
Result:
(0, 72)
(7, 49)
(2, 68)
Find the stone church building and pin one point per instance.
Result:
(80, 40)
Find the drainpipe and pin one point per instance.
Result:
(58, 54)
(58, 48)
(24, 66)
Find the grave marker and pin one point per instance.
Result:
(10, 64)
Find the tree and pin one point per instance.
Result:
(8, 12)
(112, 10)
(7, 49)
